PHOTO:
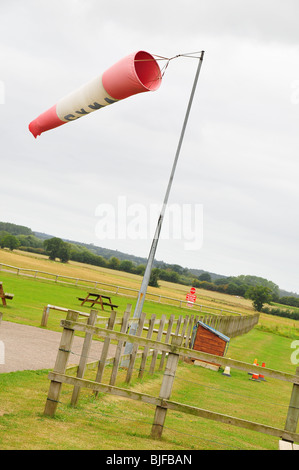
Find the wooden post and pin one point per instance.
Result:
(212, 322)
(2, 295)
(135, 348)
(166, 387)
(146, 348)
(293, 412)
(105, 350)
(84, 355)
(45, 316)
(178, 325)
(184, 326)
(190, 326)
(159, 336)
(120, 345)
(167, 338)
(66, 342)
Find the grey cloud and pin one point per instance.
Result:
(239, 156)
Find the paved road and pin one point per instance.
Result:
(30, 348)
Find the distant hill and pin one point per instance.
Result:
(108, 253)
(14, 229)
(43, 236)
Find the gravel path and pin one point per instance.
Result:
(31, 348)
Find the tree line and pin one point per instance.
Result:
(259, 290)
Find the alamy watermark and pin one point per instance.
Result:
(295, 354)
(138, 222)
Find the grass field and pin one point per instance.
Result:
(84, 271)
(29, 301)
(109, 422)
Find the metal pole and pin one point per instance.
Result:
(148, 269)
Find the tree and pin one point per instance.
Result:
(64, 252)
(195, 283)
(154, 277)
(10, 241)
(169, 275)
(205, 277)
(126, 266)
(57, 248)
(207, 285)
(140, 269)
(14, 229)
(113, 263)
(52, 247)
(30, 241)
(259, 295)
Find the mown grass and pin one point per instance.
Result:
(32, 295)
(113, 423)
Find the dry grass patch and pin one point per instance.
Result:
(123, 279)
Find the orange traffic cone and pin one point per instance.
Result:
(255, 376)
(261, 377)
(255, 364)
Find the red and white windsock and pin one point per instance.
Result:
(136, 73)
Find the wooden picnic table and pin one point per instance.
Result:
(97, 299)
(4, 295)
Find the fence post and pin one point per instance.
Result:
(166, 387)
(60, 364)
(45, 316)
(186, 319)
(293, 412)
(84, 355)
(190, 327)
(135, 348)
(107, 341)
(120, 345)
(167, 337)
(178, 324)
(146, 348)
(155, 352)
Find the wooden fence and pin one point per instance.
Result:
(177, 333)
(113, 289)
(228, 325)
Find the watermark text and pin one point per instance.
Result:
(295, 354)
(138, 222)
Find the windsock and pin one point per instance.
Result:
(136, 73)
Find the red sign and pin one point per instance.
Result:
(192, 290)
(190, 297)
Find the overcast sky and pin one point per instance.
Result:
(238, 169)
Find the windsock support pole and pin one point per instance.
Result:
(151, 257)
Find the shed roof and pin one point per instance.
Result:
(221, 335)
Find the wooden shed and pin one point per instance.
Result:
(208, 340)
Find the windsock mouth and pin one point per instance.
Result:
(133, 74)
(147, 70)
